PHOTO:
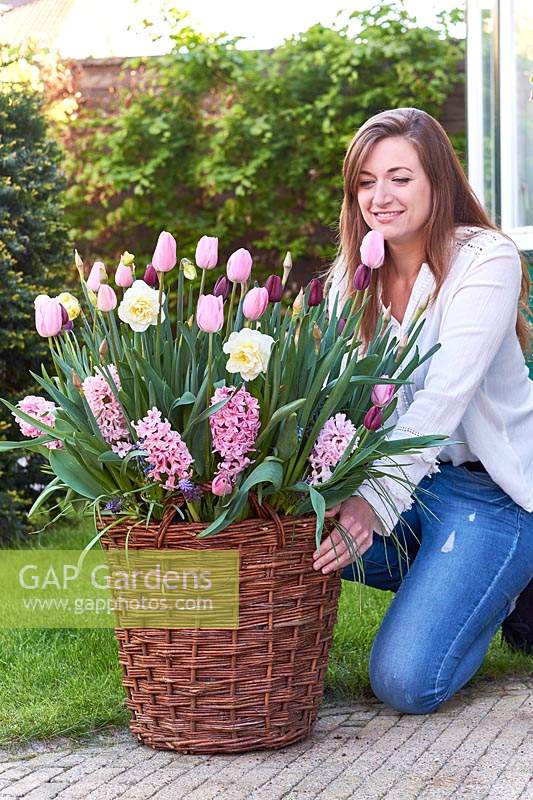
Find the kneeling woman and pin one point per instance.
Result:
(466, 530)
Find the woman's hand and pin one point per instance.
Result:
(358, 518)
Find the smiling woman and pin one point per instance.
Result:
(471, 556)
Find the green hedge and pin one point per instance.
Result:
(33, 254)
(249, 145)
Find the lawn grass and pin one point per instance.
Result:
(68, 682)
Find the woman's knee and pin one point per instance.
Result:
(402, 681)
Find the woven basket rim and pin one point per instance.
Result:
(199, 526)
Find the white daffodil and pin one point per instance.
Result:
(140, 306)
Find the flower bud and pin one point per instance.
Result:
(373, 249)
(382, 394)
(341, 325)
(92, 297)
(97, 276)
(361, 278)
(298, 305)
(79, 264)
(151, 277)
(402, 344)
(76, 380)
(287, 266)
(387, 314)
(255, 303)
(316, 293)
(222, 287)
(317, 336)
(221, 485)
(210, 313)
(104, 348)
(189, 270)
(239, 266)
(107, 299)
(207, 252)
(274, 288)
(373, 418)
(124, 275)
(127, 258)
(48, 315)
(164, 257)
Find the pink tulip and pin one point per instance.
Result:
(274, 288)
(382, 394)
(361, 279)
(221, 485)
(96, 276)
(373, 418)
(48, 315)
(316, 293)
(150, 277)
(373, 249)
(164, 257)
(210, 313)
(124, 276)
(207, 252)
(255, 303)
(239, 266)
(107, 299)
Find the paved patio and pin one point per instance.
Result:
(478, 745)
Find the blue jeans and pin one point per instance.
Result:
(455, 580)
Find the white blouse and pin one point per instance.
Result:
(475, 389)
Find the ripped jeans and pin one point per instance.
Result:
(456, 581)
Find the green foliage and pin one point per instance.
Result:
(32, 252)
(225, 142)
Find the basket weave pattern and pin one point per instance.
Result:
(226, 691)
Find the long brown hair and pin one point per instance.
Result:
(453, 203)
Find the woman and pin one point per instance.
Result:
(467, 548)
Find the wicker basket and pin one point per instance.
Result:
(228, 691)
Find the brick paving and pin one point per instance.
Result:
(478, 745)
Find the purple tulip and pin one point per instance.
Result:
(239, 266)
(361, 278)
(68, 326)
(274, 287)
(64, 315)
(373, 249)
(164, 257)
(210, 313)
(222, 287)
(207, 252)
(151, 277)
(255, 303)
(341, 325)
(316, 293)
(382, 394)
(48, 315)
(373, 418)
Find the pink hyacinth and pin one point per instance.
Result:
(234, 429)
(42, 411)
(166, 452)
(106, 408)
(331, 443)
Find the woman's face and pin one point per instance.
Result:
(394, 192)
